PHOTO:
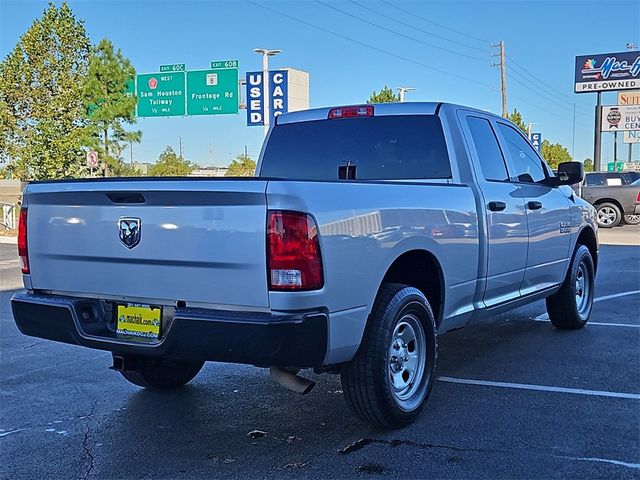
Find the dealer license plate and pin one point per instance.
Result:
(139, 320)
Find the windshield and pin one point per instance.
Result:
(371, 148)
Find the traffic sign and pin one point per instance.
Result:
(176, 67)
(92, 159)
(225, 64)
(212, 92)
(161, 94)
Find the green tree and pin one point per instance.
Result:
(588, 165)
(242, 166)
(516, 117)
(109, 106)
(42, 115)
(386, 95)
(171, 165)
(554, 153)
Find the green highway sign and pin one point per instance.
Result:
(176, 67)
(130, 86)
(211, 92)
(225, 64)
(161, 94)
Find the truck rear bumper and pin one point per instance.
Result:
(262, 339)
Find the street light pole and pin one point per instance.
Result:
(402, 91)
(266, 53)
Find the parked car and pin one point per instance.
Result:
(615, 195)
(369, 231)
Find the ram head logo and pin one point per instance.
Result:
(129, 229)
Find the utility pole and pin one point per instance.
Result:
(180, 148)
(131, 152)
(503, 75)
(573, 141)
(266, 94)
(402, 91)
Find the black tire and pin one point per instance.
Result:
(570, 307)
(608, 215)
(632, 219)
(399, 311)
(161, 373)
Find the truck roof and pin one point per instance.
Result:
(397, 108)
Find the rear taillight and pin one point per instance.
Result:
(23, 251)
(350, 112)
(293, 252)
(638, 197)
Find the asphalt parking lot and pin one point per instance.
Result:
(515, 398)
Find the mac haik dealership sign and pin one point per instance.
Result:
(607, 71)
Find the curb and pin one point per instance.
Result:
(8, 240)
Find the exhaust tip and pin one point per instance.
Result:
(291, 381)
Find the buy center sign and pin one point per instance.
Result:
(620, 118)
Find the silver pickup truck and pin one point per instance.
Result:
(367, 232)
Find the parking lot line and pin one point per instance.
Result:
(543, 388)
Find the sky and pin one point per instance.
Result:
(351, 48)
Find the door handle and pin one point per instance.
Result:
(497, 206)
(533, 205)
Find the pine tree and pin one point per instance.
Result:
(109, 105)
(386, 95)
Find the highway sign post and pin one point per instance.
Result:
(211, 92)
(161, 94)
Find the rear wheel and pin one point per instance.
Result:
(632, 219)
(389, 380)
(608, 215)
(570, 307)
(161, 373)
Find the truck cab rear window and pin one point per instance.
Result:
(380, 148)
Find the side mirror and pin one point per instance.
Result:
(569, 173)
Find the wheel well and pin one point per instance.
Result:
(420, 269)
(587, 238)
(609, 200)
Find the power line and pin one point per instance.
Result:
(390, 30)
(537, 79)
(544, 96)
(449, 40)
(366, 45)
(555, 112)
(435, 23)
(549, 95)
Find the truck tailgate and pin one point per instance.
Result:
(201, 241)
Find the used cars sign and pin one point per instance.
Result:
(608, 71)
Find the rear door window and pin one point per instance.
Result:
(595, 179)
(370, 148)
